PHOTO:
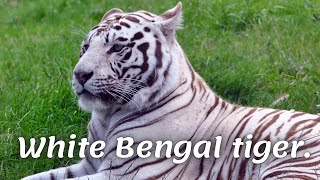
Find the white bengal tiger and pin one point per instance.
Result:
(137, 82)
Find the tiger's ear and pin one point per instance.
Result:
(110, 12)
(171, 20)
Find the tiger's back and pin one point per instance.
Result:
(203, 116)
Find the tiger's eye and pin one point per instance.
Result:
(117, 47)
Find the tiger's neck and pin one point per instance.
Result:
(177, 76)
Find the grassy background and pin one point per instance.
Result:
(250, 52)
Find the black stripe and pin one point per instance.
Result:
(143, 48)
(124, 24)
(132, 19)
(142, 17)
(122, 39)
(137, 36)
(158, 54)
(166, 72)
(52, 176)
(125, 69)
(148, 14)
(152, 78)
(94, 28)
(87, 155)
(146, 29)
(200, 168)
(120, 165)
(213, 107)
(69, 173)
(127, 56)
(117, 28)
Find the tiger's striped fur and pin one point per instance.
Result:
(136, 80)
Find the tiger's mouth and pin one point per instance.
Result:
(106, 97)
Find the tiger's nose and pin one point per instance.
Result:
(83, 77)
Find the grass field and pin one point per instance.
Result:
(250, 52)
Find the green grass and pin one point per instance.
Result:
(249, 52)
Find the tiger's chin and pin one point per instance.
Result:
(89, 102)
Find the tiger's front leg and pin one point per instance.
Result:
(83, 168)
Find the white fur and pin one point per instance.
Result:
(189, 116)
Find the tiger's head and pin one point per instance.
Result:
(125, 58)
